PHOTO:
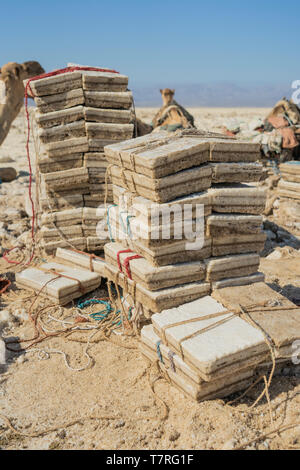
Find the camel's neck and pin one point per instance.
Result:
(10, 108)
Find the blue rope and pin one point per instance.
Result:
(159, 351)
(97, 315)
(108, 222)
(128, 225)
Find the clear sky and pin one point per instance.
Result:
(186, 41)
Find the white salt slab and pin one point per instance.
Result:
(239, 281)
(206, 390)
(59, 287)
(81, 259)
(151, 277)
(230, 342)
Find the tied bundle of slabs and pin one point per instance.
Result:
(78, 113)
(210, 350)
(289, 190)
(185, 219)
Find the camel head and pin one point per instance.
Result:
(167, 96)
(13, 73)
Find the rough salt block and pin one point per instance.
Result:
(72, 231)
(279, 318)
(231, 266)
(239, 198)
(117, 116)
(290, 171)
(104, 81)
(289, 190)
(238, 244)
(236, 172)
(83, 260)
(66, 162)
(95, 160)
(135, 227)
(154, 278)
(109, 131)
(162, 154)
(223, 343)
(70, 282)
(62, 180)
(56, 84)
(183, 375)
(46, 104)
(63, 132)
(106, 99)
(183, 207)
(158, 300)
(231, 150)
(164, 189)
(238, 281)
(68, 147)
(220, 225)
(94, 244)
(59, 118)
(60, 242)
(61, 203)
(181, 251)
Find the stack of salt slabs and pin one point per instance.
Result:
(208, 351)
(289, 190)
(78, 113)
(172, 197)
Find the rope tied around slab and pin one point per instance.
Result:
(91, 256)
(128, 250)
(59, 275)
(126, 264)
(244, 313)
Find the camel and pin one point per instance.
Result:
(12, 91)
(171, 115)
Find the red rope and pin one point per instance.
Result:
(118, 257)
(27, 87)
(127, 266)
(4, 285)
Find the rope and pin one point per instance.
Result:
(118, 257)
(52, 271)
(49, 430)
(127, 265)
(108, 222)
(158, 351)
(171, 355)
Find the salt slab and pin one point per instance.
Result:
(154, 278)
(85, 260)
(59, 288)
(205, 345)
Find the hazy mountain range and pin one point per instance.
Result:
(223, 94)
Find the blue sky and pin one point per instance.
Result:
(167, 42)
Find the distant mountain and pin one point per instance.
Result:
(223, 94)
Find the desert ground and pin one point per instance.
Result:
(110, 403)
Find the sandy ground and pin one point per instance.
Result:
(109, 404)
